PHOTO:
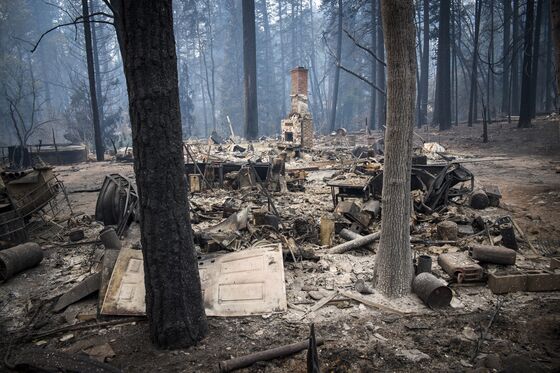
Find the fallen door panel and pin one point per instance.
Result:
(250, 282)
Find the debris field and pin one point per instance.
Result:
(286, 238)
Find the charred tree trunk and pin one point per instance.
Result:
(442, 111)
(474, 69)
(393, 265)
(515, 60)
(506, 60)
(425, 64)
(96, 68)
(555, 29)
(250, 70)
(373, 99)
(548, 62)
(381, 99)
(332, 117)
(535, 57)
(525, 105)
(173, 295)
(99, 151)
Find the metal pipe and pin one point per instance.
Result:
(273, 353)
(19, 258)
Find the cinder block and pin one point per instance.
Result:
(507, 282)
(543, 281)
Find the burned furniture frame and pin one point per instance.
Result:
(214, 172)
(116, 202)
(436, 181)
(353, 188)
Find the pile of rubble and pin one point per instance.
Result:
(284, 230)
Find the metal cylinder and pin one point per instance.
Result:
(431, 290)
(19, 258)
(508, 236)
(109, 238)
(493, 254)
(424, 264)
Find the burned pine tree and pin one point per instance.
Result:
(474, 70)
(250, 70)
(442, 111)
(336, 80)
(424, 64)
(555, 29)
(99, 149)
(173, 293)
(527, 70)
(393, 267)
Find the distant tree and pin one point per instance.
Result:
(99, 149)
(474, 68)
(173, 294)
(393, 266)
(555, 29)
(25, 103)
(425, 64)
(535, 56)
(506, 60)
(334, 100)
(527, 72)
(442, 110)
(250, 70)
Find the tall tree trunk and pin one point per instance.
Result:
(99, 151)
(442, 111)
(525, 105)
(491, 85)
(373, 91)
(319, 115)
(515, 60)
(393, 264)
(97, 70)
(173, 295)
(506, 52)
(535, 57)
(474, 70)
(282, 56)
(555, 29)
(332, 117)
(548, 62)
(425, 64)
(250, 70)
(381, 99)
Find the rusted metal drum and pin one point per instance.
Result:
(431, 290)
(19, 258)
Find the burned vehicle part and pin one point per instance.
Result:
(116, 202)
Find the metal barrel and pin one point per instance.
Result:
(493, 254)
(19, 258)
(110, 240)
(431, 290)
(424, 264)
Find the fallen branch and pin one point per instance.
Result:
(355, 244)
(81, 326)
(484, 332)
(273, 353)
